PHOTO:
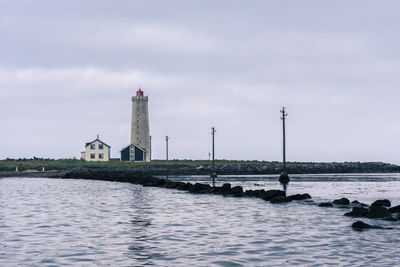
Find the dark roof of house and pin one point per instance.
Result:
(132, 145)
(95, 141)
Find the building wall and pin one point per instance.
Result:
(96, 151)
(140, 130)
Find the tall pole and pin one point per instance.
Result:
(284, 177)
(166, 161)
(284, 114)
(213, 173)
(213, 147)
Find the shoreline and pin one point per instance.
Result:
(58, 168)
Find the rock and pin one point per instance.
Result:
(224, 189)
(184, 186)
(200, 188)
(280, 199)
(237, 191)
(255, 193)
(359, 225)
(284, 178)
(300, 196)
(227, 187)
(376, 212)
(356, 202)
(395, 209)
(325, 204)
(270, 194)
(342, 201)
(381, 203)
(170, 184)
(357, 212)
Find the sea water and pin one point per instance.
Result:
(58, 222)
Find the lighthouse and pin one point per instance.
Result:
(140, 130)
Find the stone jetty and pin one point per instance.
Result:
(377, 210)
(144, 179)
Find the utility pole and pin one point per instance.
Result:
(213, 173)
(284, 114)
(284, 177)
(166, 161)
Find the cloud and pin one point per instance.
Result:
(68, 70)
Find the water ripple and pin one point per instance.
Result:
(55, 222)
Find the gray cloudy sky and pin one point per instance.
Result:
(68, 70)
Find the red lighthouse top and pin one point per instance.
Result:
(139, 92)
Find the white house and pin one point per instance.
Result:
(96, 150)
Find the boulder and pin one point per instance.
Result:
(280, 199)
(255, 193)
(270, 194)
(342, 201)
(170, 184)
(325, 204)
(224, 189)
(395, 209)
(376, 212)
(381, 203)
(237, 191)
(300, 196)
(359, 225)
(153, 182)
(184, 186)
(357, 212)
(200, 188)
(358, 203)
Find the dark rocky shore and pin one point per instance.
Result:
(249, 168)
(187, 167)
(145, 179)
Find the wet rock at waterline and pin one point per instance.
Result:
(378, 212)
(300, 196)
(325, 204)
(280, 199)
(270, 194)
(359, 225)
(357, 212)
(255, 193)
(395, 209)
(342, 201)
(200, 188)
(382, 203)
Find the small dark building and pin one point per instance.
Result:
(133, 153)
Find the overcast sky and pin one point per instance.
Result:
(68, 70)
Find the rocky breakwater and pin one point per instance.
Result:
(379, 209)
(144, 179)
(253, 167)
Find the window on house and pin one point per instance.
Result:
(101, 156)
(92, 156)
(101, 146)
(92, 146)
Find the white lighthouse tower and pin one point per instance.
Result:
(140, 131)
